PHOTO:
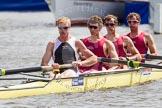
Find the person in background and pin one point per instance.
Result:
(142, 41)
(64, 50)
(100, 46)
(123, 44)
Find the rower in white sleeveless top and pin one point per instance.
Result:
(65, 51)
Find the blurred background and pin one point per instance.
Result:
(26, 26)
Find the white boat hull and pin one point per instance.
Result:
(81, 10)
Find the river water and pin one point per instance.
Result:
(23, 39)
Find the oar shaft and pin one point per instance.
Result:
(30, 69)
(151, 65)
(102, 59)
(129, 63)
(24, 70)
(149, 56)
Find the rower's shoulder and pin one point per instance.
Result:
(78, 42)
(147, 35)
(126, 38)
(51, 43)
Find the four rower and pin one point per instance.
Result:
(66, 49)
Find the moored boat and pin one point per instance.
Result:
(80, 10)
(85, 82)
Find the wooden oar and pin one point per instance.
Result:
(30, 69)
(129, 63)
(149, 56)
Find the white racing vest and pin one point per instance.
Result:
(65, 52)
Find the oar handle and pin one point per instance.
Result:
(50, 68)
(66, 66)
(47, 68)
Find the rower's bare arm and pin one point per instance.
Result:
(90, 57)
(111, 51)
(151, 44)
(132, 49)
(48, 54)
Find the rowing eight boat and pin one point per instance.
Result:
(85, 82)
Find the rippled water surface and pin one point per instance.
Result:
(23, 39)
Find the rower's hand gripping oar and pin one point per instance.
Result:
(129, 63)
(30, 69)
